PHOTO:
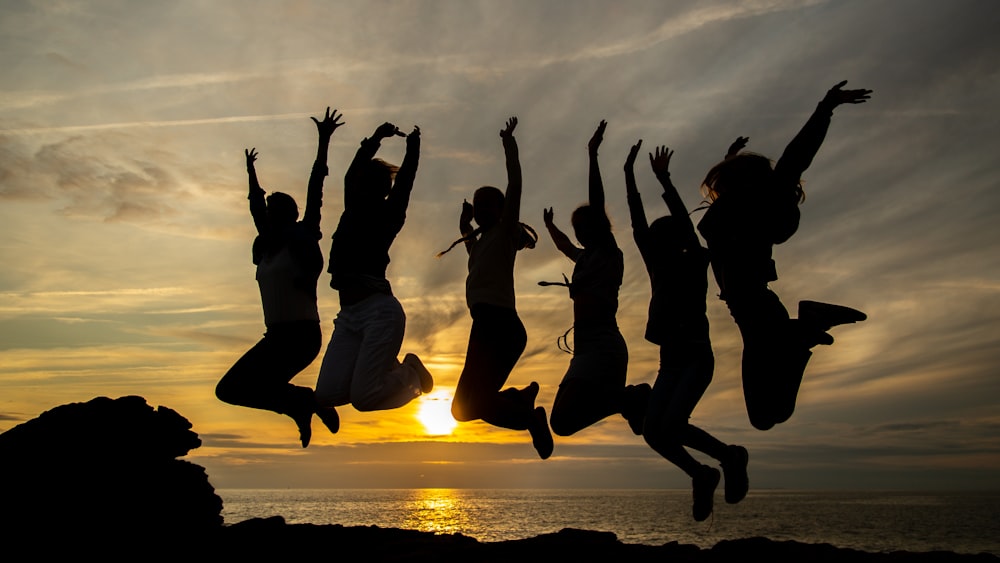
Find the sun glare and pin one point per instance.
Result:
(435, 413)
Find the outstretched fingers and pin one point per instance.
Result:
(508, 131)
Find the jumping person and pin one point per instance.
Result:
(360, 365)
(497, 338)
(289, 261)
(678, 273)
(753, 207)
(594, 385)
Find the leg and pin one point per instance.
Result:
(333, 388)
(260, 379)
(496, 342)
(594, 386)
(774, 359)
(380, 381)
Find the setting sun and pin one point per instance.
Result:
(435, 413)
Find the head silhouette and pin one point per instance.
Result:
(667, 234)
(378, 176)
(590, 225)
(741, 174)
(281, 210)
(487, 207)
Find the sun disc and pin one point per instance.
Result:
(434, 413)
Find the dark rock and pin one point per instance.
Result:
(105, 470)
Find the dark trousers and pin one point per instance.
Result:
(774, 354)
(685, 372)
(496, 342)
(260, 379)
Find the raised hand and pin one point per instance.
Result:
(632, 153)
(387, 130)
(508, 131)
(739, 144)
(548, 215)
(836, 96)
(251, 157)
(595, 140)
(661, 161)
(329, 124)
(414, 137)
(468, 212)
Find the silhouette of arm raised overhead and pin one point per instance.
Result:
(640, 226)
(562, 241)
(258, 206)
(660, 162)
(595, 184)
(399, 195)
(366, 152)
(800, 151)
(512, 201)
(314, 194)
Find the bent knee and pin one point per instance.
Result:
(461, 411)
(562, 426)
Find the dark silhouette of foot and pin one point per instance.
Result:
(414, 363)
(824, 316)
(304, 421)
(541, 436)
(634, 405)
(704, 485)
(329, 417)
(735, 471)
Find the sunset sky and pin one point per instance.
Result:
(126, 235)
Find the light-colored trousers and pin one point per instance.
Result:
(360, 365)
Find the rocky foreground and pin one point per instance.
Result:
(103, 478)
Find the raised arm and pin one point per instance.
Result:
(366, 152)
(258, 206)
(799, 153)
(635, 209)
(596, 185)
(465, 224)
(512, 200)
(314, 193)
(562, 241)
(661, 167)
(399, 195)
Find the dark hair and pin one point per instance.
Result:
(741, 172)
(282, 207)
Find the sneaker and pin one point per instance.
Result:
(329, 417)
(825, 315)
(304, 423)
(704, 492)
(414, 363)
(541, 436)
(634, 405)
(735, 471)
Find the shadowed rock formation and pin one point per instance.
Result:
(105, 470)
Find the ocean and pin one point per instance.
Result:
(875, 521)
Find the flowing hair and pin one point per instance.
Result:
(526, 239)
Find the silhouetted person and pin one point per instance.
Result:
(755, 206)
(289, 261)
(678, 273)
(497, 338)
(360, 366)
(594, 385)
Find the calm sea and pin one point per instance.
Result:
(866, 520)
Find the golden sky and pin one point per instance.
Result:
(126, 244)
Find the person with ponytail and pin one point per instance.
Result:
(361, 365)
(753, 206)
(497, 338)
